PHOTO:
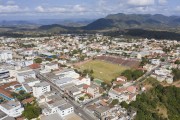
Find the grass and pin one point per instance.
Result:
(103, 70)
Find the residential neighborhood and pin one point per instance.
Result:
(54, 76)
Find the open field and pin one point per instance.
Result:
(103, 70)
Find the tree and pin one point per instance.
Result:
(176, 73)
(38, 60)
(114, 102)
(81, 98)
(31, 111)
(162, 59)
(177, 62)
(124, 104)
(21, 92)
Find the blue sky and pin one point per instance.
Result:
(91, 9)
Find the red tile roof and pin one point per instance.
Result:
(35, 66)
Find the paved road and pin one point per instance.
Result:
(77, 109)
(141, 79)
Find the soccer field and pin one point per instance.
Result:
(103, 70)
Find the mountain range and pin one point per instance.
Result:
(127, 21)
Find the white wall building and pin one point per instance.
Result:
(22, 75)
(12, 108)
(65, 109)
(51, 66)
(5, 55)
(41, 88)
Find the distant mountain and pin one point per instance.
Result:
(15, 23)
(126, 21)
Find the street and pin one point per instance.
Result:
(77, 109)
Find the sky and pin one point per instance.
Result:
(76, 9)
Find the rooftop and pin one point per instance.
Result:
(10, 104)
(65, 106)
(42, 84)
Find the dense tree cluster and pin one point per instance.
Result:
(38, 60)
(144, 61)
(176, 73)
(132, 74)
(165, 98)
(31, 111)
(21, 95)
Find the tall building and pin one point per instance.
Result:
(41, 88)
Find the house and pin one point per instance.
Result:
(155, 61)
(29, 83)
(4, 116)
(65, 109)
(41, 88)
(68, 73)
(63, 81)
(92, 90)
(22, 75)
(52, 66)
(12, 108)
(82, 80)
(5, 55)
(118, 93)
(101, 111)
(121, 78)
(72, 91)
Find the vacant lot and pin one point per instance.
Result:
(103, 70)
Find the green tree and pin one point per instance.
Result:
(38, 60)
(81, 98)
(31, 111)
(114, 102)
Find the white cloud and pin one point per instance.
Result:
(12, 9)
(64, 9)
(141, 2)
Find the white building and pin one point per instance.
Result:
(41, 88)
(68, 73)
(65, 109)
(51, 66)
(81, 81)
(155, 61)
(5, 55)
(22, 75)
(29, 83)
(12, 108)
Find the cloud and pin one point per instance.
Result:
(141, 2)
(10, 9)
(65, 9)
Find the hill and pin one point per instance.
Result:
(126, 21)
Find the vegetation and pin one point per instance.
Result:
(156, 104)
(144, 61)
(38, 60)
(114, 102)
(177, 62)
(132, 74)
(176, 73)
(21, 95)
(31, 111)
(81, 98)
(102, 70)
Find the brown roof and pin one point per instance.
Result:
(9, 84)
(85, 86)
(120, 89)
(6, 92)
(35, 66)
(28, 100)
